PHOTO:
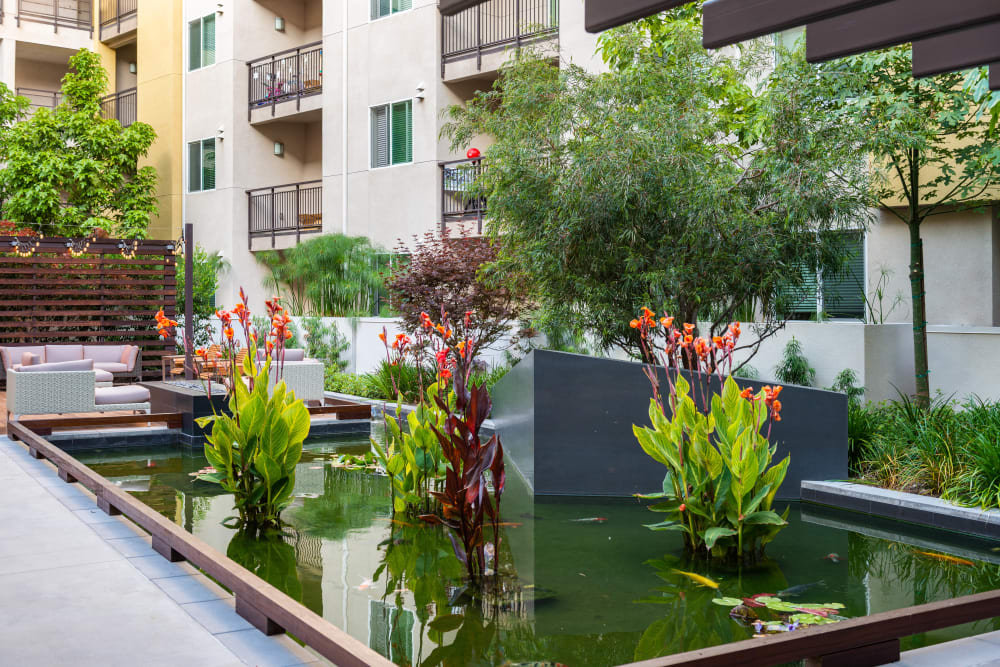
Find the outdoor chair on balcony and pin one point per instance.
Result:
(45, 392)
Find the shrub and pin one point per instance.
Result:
(349, 383)
(445, 274)
(794, 368)
(846, 383)
(405, 378)
(324, 342)
(979, 451)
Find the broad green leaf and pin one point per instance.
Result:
(727, 602)
(712, 535)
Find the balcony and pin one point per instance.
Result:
(276, 81)
(119, 20)
(483, 32)
(284, 211)
(121, 106)
(77, 14)
(459, 208)
(38, 98)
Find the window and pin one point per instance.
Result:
(201, 165)
(381, 8)
(201, 42)
(392, 134)
(841, 295)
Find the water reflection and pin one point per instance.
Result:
(571, 592)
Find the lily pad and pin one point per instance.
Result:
(727, 602)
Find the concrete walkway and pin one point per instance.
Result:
(979, 651)
(78, 587)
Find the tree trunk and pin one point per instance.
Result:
(917, 291)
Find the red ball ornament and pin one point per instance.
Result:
(472, 153)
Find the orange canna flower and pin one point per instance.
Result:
(634, 324)
(688, 328)
(288, 334)
(381, 337)
(746, 393)
(647, 313)
(667, 322)
(229, 333)
(717, 341)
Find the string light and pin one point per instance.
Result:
(178, 246)
(18, 244)
(129, 253)
(80, 247)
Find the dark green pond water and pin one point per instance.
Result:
(580, 593)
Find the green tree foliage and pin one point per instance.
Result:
(207, 269)
(329, 276)
(934, 149)
(325, 342)
(668, 181)
(68, 171)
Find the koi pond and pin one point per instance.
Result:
(582, 581)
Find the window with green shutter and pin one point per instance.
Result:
(837, 296)
(392, 134)
(201, 165)
(844, 293)
(382, 8)
(201, 42)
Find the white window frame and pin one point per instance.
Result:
(201, 166)
(187, 39)
(371, 128)
(372, 18)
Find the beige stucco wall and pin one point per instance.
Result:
(962, 258)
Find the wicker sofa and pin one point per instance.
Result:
(122, 361)
(68, 391)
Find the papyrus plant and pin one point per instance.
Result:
(720, 482)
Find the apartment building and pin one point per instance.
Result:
(305, 117)
(38, 37)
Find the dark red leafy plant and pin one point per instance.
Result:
(467, 500)
(445, 273)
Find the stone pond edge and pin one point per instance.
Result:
(902, 506)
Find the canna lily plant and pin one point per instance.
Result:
(254, 449)
(720, 483)
(475, 475)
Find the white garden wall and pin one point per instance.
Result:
(964, 360)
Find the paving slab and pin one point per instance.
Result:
(68, 570)
(978, 651)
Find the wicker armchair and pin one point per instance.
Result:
(63, 392)
(305, 378)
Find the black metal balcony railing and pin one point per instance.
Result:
(113, 12)
(285, 76)
(122, 106)
(495, 23)
(57, 13)
(38, 98)
(458, 204)
(296, 208)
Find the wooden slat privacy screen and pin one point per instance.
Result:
(103, 296)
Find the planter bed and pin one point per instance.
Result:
(909, 507)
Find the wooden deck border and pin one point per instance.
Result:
(46, 425)
(264, 606)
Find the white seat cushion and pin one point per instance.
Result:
(110, 366)
(120, 395)
(55, 353)
(79, 365)
(103, 353)
(103, 376)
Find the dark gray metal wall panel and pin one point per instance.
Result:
(957, 50)
(891, 23)
(583, 412)
(603, 14)
(516, 421)
(731, 21)
(995, 76)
